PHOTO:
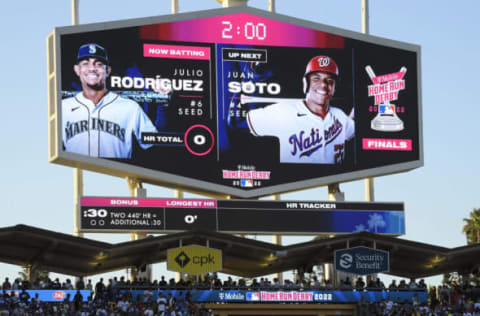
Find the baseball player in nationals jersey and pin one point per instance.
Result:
(309, 130)
(97, 122)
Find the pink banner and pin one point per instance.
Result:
(131, 202)
(388, 77)
(387, 144)
(241, 28)
(176, 51)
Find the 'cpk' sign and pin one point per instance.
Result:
(362, 260)
(194, 259)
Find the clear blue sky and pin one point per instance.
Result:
(437, 197)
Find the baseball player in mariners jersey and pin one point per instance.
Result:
(97, 122)
(310, 130)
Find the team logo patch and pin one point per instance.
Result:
(92, 49)
(59, 295)
(96, 124)
(323, 61)
(254, 296)
(306, 144)
(246, 183)
(386, 109)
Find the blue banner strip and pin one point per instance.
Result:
(55, 295)
(242, 296)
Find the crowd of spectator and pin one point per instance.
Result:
(212, 282)
(114, 297)
(105, 300)
(378, 285)
(122, 304)
(414, 308)
(444, 300)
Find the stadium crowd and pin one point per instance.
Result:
(115, 296)
(211, 282)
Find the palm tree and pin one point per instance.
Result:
(375, 221)
(360, 228)
(472, 227)
(34, 274)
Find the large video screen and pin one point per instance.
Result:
(237, 101)
(116, 214)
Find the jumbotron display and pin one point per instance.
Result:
(111, 214)
(236, 101)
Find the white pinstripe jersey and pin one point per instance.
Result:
(303, 136)
(103, 130)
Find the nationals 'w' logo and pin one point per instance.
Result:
(323, 61)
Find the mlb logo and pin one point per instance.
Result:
(254, 297)
(386, 108)
(246, 183)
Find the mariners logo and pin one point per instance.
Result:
(323, 61)
(92, 49)
(96, 124)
